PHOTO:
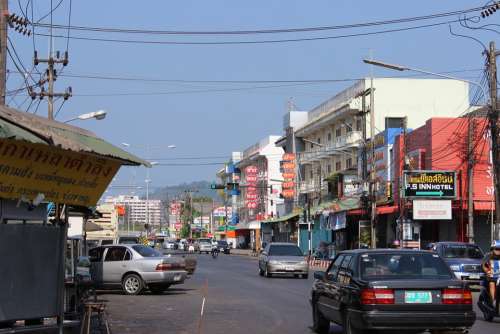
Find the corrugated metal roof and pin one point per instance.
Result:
(19, 125)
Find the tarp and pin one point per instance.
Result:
(337, 205)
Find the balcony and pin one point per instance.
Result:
(311, 186)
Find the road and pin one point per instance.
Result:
(237, 301)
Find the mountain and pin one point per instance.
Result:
(199, 188)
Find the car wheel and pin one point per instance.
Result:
(348, 325)
(267, 273)
(158, 289)
(132, 284)
(321, 325)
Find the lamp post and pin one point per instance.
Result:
(98, 115)
(402, 68)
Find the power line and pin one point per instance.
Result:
(52, 10)
(271, 41)
(263, 31)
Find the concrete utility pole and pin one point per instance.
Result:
(493, 120)
(470, 178)
(4, 12)
(373, 199)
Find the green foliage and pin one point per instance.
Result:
(185, 230)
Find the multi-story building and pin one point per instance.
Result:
(137, 210)
(333, 164)
(108, 222)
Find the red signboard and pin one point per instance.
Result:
(287, 185)
(252, 205)
(288, 157)
(288, 193)
(289, 166)
(251, 178)
(289, 175)
(251, 170)
(251, 196)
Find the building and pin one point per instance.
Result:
(260, 188)
(137, 210)
(333, 174)
(442, 145)
(108, 222)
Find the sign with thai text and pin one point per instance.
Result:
(29, 170)
(429, 184)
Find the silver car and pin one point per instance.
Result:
(283, 258)
(205, 245)
(134, 268)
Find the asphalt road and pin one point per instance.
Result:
(237, 301)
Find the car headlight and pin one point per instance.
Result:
(455, 267)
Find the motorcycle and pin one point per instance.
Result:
(215, 252)
(485, 304)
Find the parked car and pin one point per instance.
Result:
(283, 258)
(183, 244)
(223, 246)
(464, 259)
(134, 267)
(390, 289)
(169, 244)
(204, 245)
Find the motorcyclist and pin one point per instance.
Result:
(491, 266)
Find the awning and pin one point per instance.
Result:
(381, 210)
(31, 128)
(282, 218)
(484, 206)
(253, 225)
(337, 205)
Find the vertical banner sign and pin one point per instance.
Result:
(288, 173)
(251, 194)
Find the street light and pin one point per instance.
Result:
(402, 68)
(98, 115)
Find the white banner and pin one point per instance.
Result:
(432, 209)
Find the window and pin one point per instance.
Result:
(319, 141)
(348, 127)
(146, 251)
(348, 163)
(311, 174)
(312, 146)
(95, 254)
(338, 132)
(338, 165)
(115, 254)
(358, 124)
(334, 268)
(344, 275)
(285, 250)
(329, 168)
(329, 136)
(462, 252)
(128, 256)
(402, 266)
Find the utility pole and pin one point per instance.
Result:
(402, 200)
(373, 199)
(493, 120)
(4, 12)
(470, 178)
(51, 74)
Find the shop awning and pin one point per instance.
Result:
(381, 210)
(344, 204)
(223, 228)
(253, 225)
(484, 206)
(282, 218)
(34, 129)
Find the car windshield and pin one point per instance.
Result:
(146, 251)
(462, 252)
(204, 241)
(392, 266)
(285, 250)
(222, 243)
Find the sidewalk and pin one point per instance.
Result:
(242, 252)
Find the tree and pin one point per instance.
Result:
(185, 230)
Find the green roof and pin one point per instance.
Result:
(338, 205)
(282, 218)
(25, 126)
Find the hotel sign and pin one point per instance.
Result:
(429, 184)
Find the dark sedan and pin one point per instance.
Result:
(223, 246)
(390, 290)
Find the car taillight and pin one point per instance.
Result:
(377, 296)
(169, 266)
(457, 296)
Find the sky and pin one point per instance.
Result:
(213, 119)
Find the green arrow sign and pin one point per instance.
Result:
(429, 193)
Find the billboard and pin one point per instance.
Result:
(432, 209)
(429, 184)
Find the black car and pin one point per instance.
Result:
(223, 246)
(385, 289)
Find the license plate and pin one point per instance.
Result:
(177, 278)
(289, 268)
(418, 297)
(474, 276)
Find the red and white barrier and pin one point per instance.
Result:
(319, 263)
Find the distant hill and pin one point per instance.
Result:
(200, 188)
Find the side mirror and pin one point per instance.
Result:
(319, 275)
